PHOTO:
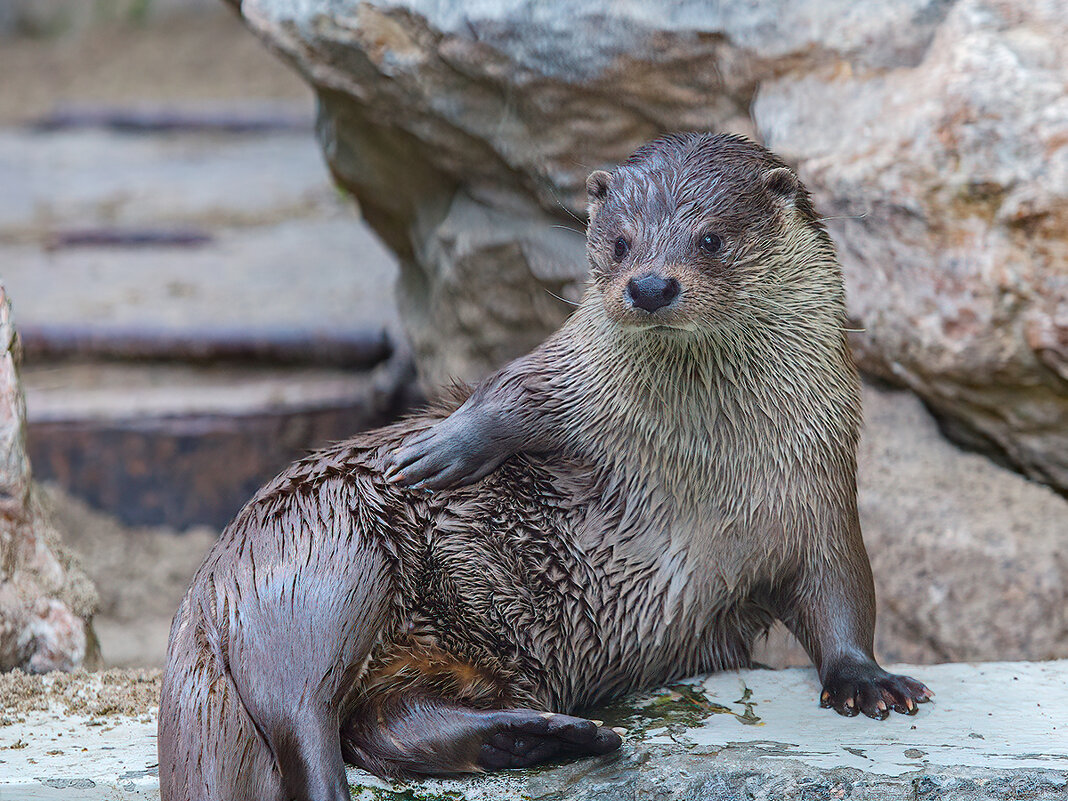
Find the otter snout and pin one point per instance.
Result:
(651, 292)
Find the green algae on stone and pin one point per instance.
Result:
(678, 706)
(675, 708)
(749, 717)
(672, 711)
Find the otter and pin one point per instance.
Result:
(636, 500)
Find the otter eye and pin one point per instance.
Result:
(710, 243)
(620, 249)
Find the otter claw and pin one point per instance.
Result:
(867, 688)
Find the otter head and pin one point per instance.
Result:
(694, 230)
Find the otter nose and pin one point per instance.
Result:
(652, 291)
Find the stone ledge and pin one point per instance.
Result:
(995, 731)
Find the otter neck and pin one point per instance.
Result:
(686, 409)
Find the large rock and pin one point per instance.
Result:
(46, 602)
(947, 187)
(466, 131)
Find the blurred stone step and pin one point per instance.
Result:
(185, 445)
(40, 18)
(79, 177)
(358, 349)
(230, 118)
(197, 247)
(995, 731)
(318, 281)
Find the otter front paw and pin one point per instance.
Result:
(451, 454)
(867, 688)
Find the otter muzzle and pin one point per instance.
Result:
(651, 292)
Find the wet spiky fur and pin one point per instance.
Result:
(687, 479)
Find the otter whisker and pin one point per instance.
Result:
(845, 217)
(565, 209)
(572, 230)
(562, 300)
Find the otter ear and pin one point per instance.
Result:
(782, 184)
(597, 187)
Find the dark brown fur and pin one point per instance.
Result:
(686, 477)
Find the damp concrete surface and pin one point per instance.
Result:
(994, 730)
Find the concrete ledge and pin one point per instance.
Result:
(995, 731)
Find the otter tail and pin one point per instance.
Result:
(262, 655)
(214, 748)
(308, 755)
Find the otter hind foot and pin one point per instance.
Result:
(524, 738)
(424, 736)
(865, 687)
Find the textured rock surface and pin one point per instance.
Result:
(969, 558)
(45, 600)
(958, 267)
(754, 735)
(466, 130)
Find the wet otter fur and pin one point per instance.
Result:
(636, 500)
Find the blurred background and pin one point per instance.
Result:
(231, 232)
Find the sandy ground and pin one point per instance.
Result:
(140, 574)
(207, 57)
(110, 692)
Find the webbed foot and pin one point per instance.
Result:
(524, 737)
